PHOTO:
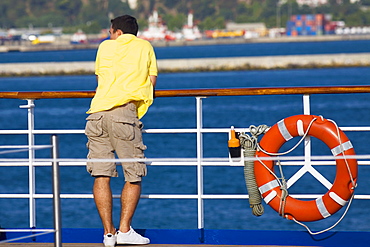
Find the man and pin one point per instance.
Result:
(126, 70)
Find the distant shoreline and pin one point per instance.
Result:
(284, 39)
(198, 64)
(64, 44)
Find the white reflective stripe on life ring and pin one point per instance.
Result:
(284, 131)
(321, 207)
(300, 128)
(341, 148)
(337, 199)
(270, 196)
(268, 186)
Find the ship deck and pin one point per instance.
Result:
(149, 245)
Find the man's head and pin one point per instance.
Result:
(123, 24)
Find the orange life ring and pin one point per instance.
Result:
(346, 169)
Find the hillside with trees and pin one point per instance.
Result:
(93, 15)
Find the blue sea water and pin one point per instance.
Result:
(346, 110)
(227, 50)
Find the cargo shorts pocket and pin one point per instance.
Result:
(123, 129)
(94, 126)
(141, 169)
(139, 150)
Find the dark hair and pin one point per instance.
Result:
(125, 23)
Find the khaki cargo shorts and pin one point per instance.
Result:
(115, 131)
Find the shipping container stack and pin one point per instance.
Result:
(306, 25)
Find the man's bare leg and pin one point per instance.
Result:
(103, 200)
(129, 199)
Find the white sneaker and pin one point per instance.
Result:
(131, 237)
(109, 240)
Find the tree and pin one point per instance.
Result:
(175, 22)
(227, 9)
(117, 8)
(69, 8)
(172, 3)
(204, 9)
(90, 13)
(212, 22)
(5, 21)
(12, 12)
(209, 13)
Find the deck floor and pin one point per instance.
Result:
(149, 245)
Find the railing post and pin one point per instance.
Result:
(199, 166)
(307, 140)
(31, 155)
(306, 104)
(56, 193)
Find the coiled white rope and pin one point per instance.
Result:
(249, 144)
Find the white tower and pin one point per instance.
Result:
(190, 19)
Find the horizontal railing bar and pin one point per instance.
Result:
(191, 162)
(25, 132)
(198, 92)
(14, 151)
(262, 91)
(47, 95)
(158, 131)
(298, 196)
(25, 146)
(355, 128)
(44, 232)
(203, 160)
(163, 196)
(27, 230)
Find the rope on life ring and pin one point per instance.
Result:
(271, 188)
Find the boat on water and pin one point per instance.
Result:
(307, 163)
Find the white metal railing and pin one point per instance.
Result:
(56, 193)
(199, 162)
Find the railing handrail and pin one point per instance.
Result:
(199, 92)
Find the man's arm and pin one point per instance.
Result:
(153, 79)
(97, 81)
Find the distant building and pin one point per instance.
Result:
(251, 29)
(318, 24)
(314, 3)
(191, 31)
(131, 3)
